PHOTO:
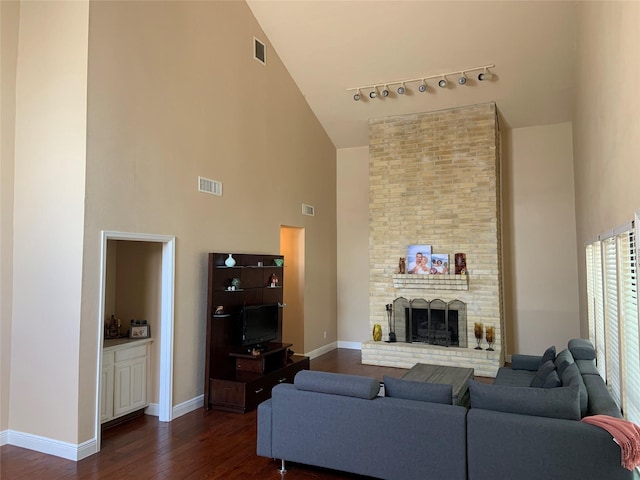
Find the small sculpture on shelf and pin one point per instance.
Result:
(402, 265)
(273, 280)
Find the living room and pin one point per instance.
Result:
(132, 122)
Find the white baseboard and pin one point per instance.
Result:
(152, 409)
(322, 350)
(4, 437)
(350, 345)
(50, 446)
(188, 406)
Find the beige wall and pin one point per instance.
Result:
(353, 242)
(541, 274)
(606, 140)
(174, 93)
(9, 17)
(50, 136)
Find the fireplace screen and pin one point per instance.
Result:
(433, 322)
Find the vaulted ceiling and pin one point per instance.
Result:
(329, 46)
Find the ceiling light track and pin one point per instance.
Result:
(462, 78)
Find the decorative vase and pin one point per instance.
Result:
(477, 332)
(230, 261)
(489, 336)
(377, 332)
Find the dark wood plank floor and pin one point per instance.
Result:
(199, 445)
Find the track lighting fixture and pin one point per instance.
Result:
(382, 89)
(485, 75)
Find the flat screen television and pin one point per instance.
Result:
(259, 324)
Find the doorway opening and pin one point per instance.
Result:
(292, 247)
(164, 408)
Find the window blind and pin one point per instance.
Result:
(611, 322)
(628, 256)
(599, 310)
(590, 295)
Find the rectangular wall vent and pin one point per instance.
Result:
(206, 185)
(308, 210)
(259, 51)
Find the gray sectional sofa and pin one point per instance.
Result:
(513, 430)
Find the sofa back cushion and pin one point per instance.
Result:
(561, 402)
(600, 400)
(421, 391)
(582, 349)
(571, 377)
(563, 360)
(541, 375)
(549, 354)
(337, 384)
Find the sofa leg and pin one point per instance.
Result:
(283, 468)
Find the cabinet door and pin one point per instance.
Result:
(106, 393)
(130, 386)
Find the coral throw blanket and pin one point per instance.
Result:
(624, 433)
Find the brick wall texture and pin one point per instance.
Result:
(434, 180)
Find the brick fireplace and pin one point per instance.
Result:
(434, 180)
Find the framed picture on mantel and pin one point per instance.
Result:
(419, 259)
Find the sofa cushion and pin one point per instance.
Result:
(514, 378)
(337, 384)
(549, 354)
(520, 361)
(600, 400)
(582, 349)
(541, 375)
(563, 360)
(421, 391)
(552, 381)
(570, 377)
(562, 402)
(587, 367)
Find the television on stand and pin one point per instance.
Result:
(259, 325)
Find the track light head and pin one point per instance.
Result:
(373, 94)
(462, 79)
(485, 75)
(401, 89)
(422, 87)
(443, 83)
(384, 92)
(356, 96)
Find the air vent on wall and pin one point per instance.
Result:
(259, 51)
(308, 210)
(206, 185)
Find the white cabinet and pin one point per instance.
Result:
(123, 387)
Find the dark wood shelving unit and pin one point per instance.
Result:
(235, 379)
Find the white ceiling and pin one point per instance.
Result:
(331, 45)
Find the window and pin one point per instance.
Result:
(614, 324)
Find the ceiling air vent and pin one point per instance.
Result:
(308, 210)
(206, 185)
(259, 51)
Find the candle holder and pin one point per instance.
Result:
(490, 337)
(477, 332)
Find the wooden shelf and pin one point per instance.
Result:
(431, 282)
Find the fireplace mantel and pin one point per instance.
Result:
(431, 282)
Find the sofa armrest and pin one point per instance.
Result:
(265, 430)
(507, 445)
(525, 362)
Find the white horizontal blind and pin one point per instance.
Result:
(590, 295)
(612, 337)
(599, 310)
(628, 267)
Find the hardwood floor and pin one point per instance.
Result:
(199, 445)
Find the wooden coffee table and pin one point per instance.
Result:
(455, 376)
